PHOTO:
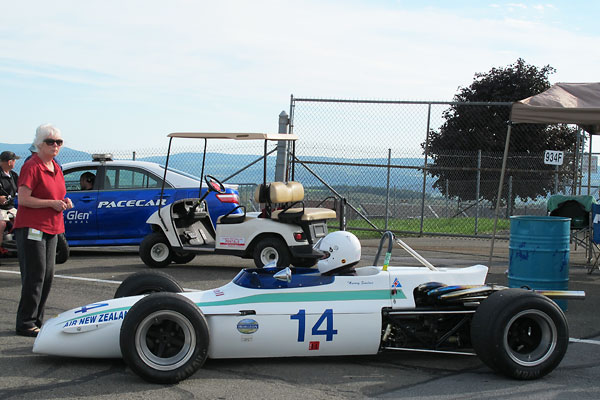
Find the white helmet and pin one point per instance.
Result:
(341, 249)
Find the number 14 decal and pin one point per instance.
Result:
(326, 317)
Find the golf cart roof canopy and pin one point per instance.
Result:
(234, 136)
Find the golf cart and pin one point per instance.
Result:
(283, 232)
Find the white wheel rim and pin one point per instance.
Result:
(268, 255)
(159, 252)
(165, 340)
(530, 337)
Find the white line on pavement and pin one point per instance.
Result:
(588, 341)
(76, 278)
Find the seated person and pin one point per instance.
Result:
(86, 181)
(341, 251)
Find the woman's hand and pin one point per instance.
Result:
(69, 203)
(58, 205)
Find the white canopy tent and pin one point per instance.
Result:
(563, 103)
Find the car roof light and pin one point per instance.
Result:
(102, 157)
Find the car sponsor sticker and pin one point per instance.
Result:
(396, 283)
(313, 345)
(131, 203)
(230, 241)
(247, 326)
(218, 292)
(74, 216)
(89, 307)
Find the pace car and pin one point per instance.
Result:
(113, 199)
(334, 309)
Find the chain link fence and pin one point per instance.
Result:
(379, 156)
(377, 159)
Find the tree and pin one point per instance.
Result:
(470, 128)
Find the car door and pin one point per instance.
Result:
(81, 220)
(129, 195)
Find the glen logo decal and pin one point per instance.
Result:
(247, 326)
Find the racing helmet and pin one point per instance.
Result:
(341, 251)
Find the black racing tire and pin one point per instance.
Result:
(164, 338)
(155, 250)
(182, 258)
(145, 282)
(304, 262)
(271, 249)
(520, 334)
(62, 249)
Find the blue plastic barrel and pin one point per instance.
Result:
(539, 253)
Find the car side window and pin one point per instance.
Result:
(80, 179)
(130, 178)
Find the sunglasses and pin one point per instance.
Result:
(52, 142)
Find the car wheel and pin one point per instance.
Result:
(271, 249)
(164, 338)
(62, 249)
(183, 258)
(303, 262)
(145, 282)
(519, 333)
(155, 250)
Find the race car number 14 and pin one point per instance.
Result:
(553, 157)
(325, 319)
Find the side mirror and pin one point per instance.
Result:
(284, 275)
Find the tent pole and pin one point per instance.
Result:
(500, 184)
(590, 168)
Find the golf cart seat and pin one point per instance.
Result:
(289, 195)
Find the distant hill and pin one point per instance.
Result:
(66, 154)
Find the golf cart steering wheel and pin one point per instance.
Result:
(214, 185)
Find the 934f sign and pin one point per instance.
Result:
(553, 157)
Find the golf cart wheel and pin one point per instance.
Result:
(62, 249)
(303, 262)
(145, 282)
(155, 250)
(520, 334)
(164, 338)
(183, 258)
(271, 249)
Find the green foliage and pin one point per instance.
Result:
(470, 128)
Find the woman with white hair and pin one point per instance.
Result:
(42, 200)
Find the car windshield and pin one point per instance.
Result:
(177, 171)
(262, 278)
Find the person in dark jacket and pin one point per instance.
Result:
(8, 191)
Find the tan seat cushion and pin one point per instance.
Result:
(310, 214)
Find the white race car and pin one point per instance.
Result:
(335, 309)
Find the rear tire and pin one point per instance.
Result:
(271, 249)
(155, 250)
(62, 249)
(145, 282)
(164, 338)
(520, 334)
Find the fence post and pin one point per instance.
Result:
(477, 191)
(282, 149)
(343, 214)
(447, 200)
(387, 191)
(425, 169)
(133, 156)
(556, 179)
(509, 199)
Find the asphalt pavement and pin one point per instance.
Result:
(92, 275)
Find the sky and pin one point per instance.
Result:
(125, 73)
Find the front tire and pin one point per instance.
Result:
(155, 250)
(271, 249)
(62, 249)
(520, 334)
(164, 338)
(145, 282)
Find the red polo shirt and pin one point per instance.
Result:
(44, 184)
